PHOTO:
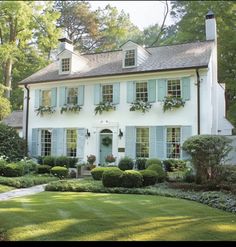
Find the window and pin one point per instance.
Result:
(46, 97)
(173, 143)
(46, 142)
(174, 88)
(141, 91)
(142, 142)
(65, 64)
(72, 96)
(107, 93)
(129, 58)
(71, 142)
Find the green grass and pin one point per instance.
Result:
(5, 188)
(91, 216)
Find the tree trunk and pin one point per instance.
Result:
(8, 71)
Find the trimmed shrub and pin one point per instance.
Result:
(3, 164)
(176, 176)
(229, 173)
(149, 177)
(59, 171)
(159, 170)
(72, 162)
(131, 179)
(41, 169)
(174, 165)
(189, 177)
(126, 163)
(153, 161)
(72, 174)
(62, 161)
(49, 160)
(39, 160)
(13, 170)
(29, 166)
(112, 177)
(140, 164)
(97, 172)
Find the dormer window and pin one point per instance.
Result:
(65, 64)
(129, 58)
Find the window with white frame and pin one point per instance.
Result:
(107, 93)
(71, 142)
(174, 88)
(173, 143)
(129, 58)
(141, 91)
(72, 96)
(65, 64)
(46, 97)
(46, 142)
(142, 142)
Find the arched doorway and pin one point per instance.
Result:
(105, 144)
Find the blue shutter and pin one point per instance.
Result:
(130, 138)
(152, 142)
(160, 142)
(34, 143)
(130, 91)
(54, 97)
(185, 88)
(37, 98)
(81, 95)
(162, 89)
(116, 93)
(186, 132)
(151, 90)
(58, 141)
(97, 94)
(62, 95)
(81, 143)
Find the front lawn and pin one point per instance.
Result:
(91, 216)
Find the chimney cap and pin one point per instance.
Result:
(65, 40)
(210, 15)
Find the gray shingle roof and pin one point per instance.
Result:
(180, 56)
(15, 119)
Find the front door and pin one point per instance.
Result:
(105, 145)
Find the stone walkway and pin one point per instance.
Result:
(22, 192)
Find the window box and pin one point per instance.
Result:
(104, 106)
(70, 108)
(171, 102)
(45, 109)
(140, 105)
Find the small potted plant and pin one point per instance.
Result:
(91, 159)
(110, 159)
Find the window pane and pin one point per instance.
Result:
(107, 93)
(71, 142)
(65, 64)
(142, 142)
(173, 143)
(46, 138)
(72, 96)
(46, 97)
(141, 91)
(174, 88)
(130, 58)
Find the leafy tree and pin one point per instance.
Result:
(5, 106)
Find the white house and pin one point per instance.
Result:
(133, 73)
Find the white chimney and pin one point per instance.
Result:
(65, 44)
(210, 26)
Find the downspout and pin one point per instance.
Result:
(198, 103)
(27, 117)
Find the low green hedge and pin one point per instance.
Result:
(159, 170)
(13, 170)
(149, 177)
(59, 171)
(42, 169)
(126, 163)
(112, 177)
(152, 161)
(97, 172)
(131, 179)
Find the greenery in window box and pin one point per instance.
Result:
(45, 109)
(104, 106)
(140, 105)
(171, 102)
(70, 108)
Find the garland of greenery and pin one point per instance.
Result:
(106, 141)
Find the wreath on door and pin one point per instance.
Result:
(106, 141)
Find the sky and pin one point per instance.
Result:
(142, 13)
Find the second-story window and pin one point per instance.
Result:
(174, 88)
(107, 93)
(65, 64)
(129, 58)
(72, 96)
(46, 97)
(141, 91)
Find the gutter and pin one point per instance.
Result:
(27, 117)
(198, 103)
